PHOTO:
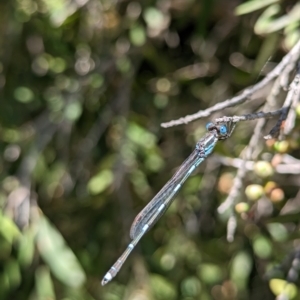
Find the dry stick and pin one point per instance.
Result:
(21, 209)
(231, 227)
(274, 132)
(288, 159)
(248, 117)
(291, 118)
(274, 94)
(284, 77)
(42, 139)
(234, 162)
(293, 55)
(288, 169)
(294, 90)
(283, 168)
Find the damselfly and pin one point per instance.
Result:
(159, 204)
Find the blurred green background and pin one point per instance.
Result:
(84, 87)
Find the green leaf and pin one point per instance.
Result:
(252, 6)
(8, 228)
(263, 23)
(241, 268)
(191, 287)
(100, 182)
(43, 284)
(266, 23)
(13, 273)
(141, 136)
(26, 248)
(58, 65)
(137, 36)
(23, 94)
(278, 232)
(58, 256)
(210, 273)
(154, 18)
(279, 286)
(162, 288)
(262, 247)
(73, 111)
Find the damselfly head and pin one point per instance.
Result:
(222, 129)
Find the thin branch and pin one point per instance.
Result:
(18, 202)
(273, 95)
(274, 132)
(284, 76)
(246, 94)
(284, 168)
(248, 117)
(290, 120)
(231, 227)
(290, 98)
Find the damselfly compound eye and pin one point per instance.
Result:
(208, 125)
(223, 130)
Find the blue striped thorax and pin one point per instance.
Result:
(206, 145)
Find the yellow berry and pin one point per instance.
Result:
(263, 169)
(254, 191)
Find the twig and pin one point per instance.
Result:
(273, 95)
(288, 159)
(288, 169)
(278, 70)
(234, 162)
(231, 227)
(18, 203)
(284, 76)
(293, 273)
(274, 132)
(290, 98)
(248, 117)
(290, 120)
(284, 168)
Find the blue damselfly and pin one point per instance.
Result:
(159, 204)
